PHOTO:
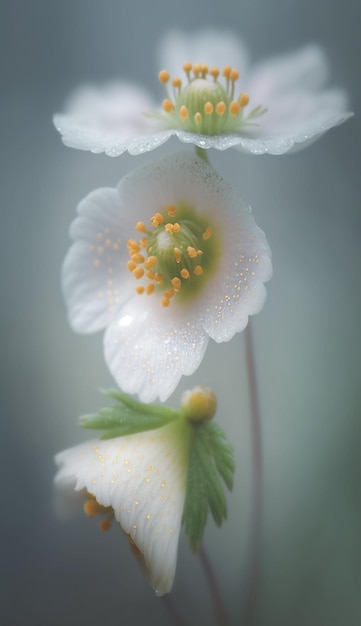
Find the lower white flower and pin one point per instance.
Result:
(140, 480)
(167, 260)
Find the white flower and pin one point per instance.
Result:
(141, 481)
(167, 260)
(289, 107)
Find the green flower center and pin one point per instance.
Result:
(205, 105)
(176, 256)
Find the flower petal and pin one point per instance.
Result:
(143, 478)
(209, 46)
(94, 276)
(148, 348)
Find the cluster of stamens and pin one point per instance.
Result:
(163, 258)
(204, 105)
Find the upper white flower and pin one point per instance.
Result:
(167, 260)
(281, 105)
(141, 481)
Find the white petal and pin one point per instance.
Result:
(143, 478)
(94, 276)
(148, 347)
(105, 119)
(209, 46)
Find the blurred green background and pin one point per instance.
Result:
(307, 337)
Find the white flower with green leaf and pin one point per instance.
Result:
(169, 259)
(212, 100)
(152, 470)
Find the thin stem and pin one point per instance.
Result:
(213, 588)
(257, 504)
(202, 154)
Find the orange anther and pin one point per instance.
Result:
(214, 71)
(137, 258)
(234, 108)
(178, 254)
(204, 69)
(197, 117)
(140, 227)
(132, 244)
(105, 524)
(227, 71)
(198, 270)
(176, 282)
(143, 242)
(177, 82)
(131, 266)
(243, 99)
(187, 67)
(176, 227)
(183, 113)
(139, 289)
(196, 69)
(165, 301)
(234, 74)
(192, 252)
(221, 108)
(184, 273)
(167, 105)
(158, 278)
(169, 293)
(164, 76)
(171, 210)
(207, 234)
(150, 262)
(138, 272)
(149, 289)
(208, 108)
(150, 275)
(157, 219)
(91, 507)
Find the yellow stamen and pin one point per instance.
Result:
(131, 266)
(165, 301)
(157, 219)
(139, 289)
(137, 258)
(158, 278)
(150, 275)
(227, 71)
(204, 69)
(138, 273)
(196, 69)
(149, 289)
(192, 252)
(143, 242)
(176, 227)
(214, 71)
(183, 113)
(208, 108)
(105, 524)
(187, 67)
(150, 262)
(132, 244)
(168, 105)
(221, 108)
(234, 75)
(234, 108)
(207, 234)
(243, 99)
(184, 273)
(169, 293)
(198, 270)
(177, 82)
(164, 76)
(140, 227)
(176, 282)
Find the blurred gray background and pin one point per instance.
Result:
(307, 337)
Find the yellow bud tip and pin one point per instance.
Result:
(234, 108)
(140, 227)
(208, 108)
(105, 525)
(199, 404)
(227, 71)
(177, 82)
(91, 508)
(192, 252)
(221, 108)
(198, 270)
(149, 289)
(234, 75)
(207, 234)
(184, 273)
(214, 71)
(187, 67)
(243, 99)
(171, 210)
(164, 76)
(139, 289)
(157, 219)
(138, 273)
(183, 113)
(168, 105)
(176, 282)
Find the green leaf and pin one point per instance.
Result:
(128, 417)
(210, 457)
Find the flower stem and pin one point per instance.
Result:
(202, 154)
(215, 593)
(257, 504)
